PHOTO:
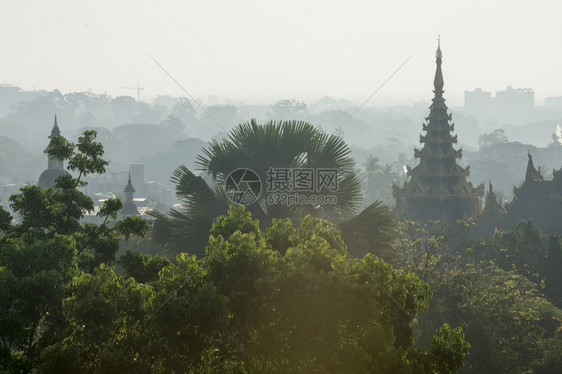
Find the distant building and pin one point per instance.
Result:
(438, 188)
(148, 195)
(512, 105)
(515, 100)
(55, 167)
(132, 206)
(478, 101)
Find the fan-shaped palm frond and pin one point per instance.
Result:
(196, 194)
(187, 228)
(291, 145)
(275, 144)
(373, 230)
(286, 144)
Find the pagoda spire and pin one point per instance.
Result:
(55, 131)
(129, 208)
(438, 80)
(53, 163)
(129, 187)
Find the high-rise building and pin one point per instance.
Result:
(515, 100)
(478, 101)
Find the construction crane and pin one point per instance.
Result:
(138, 88)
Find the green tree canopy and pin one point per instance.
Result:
(46, 247)
(286, 300)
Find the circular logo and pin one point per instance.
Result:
(243, 186)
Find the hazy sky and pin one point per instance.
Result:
(262, 51)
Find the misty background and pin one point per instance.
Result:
(169, 131)
(90, 64)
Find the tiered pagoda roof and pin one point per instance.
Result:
(438, 188)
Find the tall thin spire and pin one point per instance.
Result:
(55, 131)
(438, 80)
(129, 187)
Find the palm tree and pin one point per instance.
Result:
(277, 145)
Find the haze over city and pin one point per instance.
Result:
(281, 186)
(260, 52)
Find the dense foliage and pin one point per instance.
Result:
(528, 252)
(288, 300)
(47, 248)
(495, 290)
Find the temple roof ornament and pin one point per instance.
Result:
(532, 174)
(491, 204)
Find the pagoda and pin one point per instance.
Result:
(438, 188)
(129, 208)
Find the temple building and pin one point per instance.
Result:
(537, 200)
(55, 167)
(438, 188)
